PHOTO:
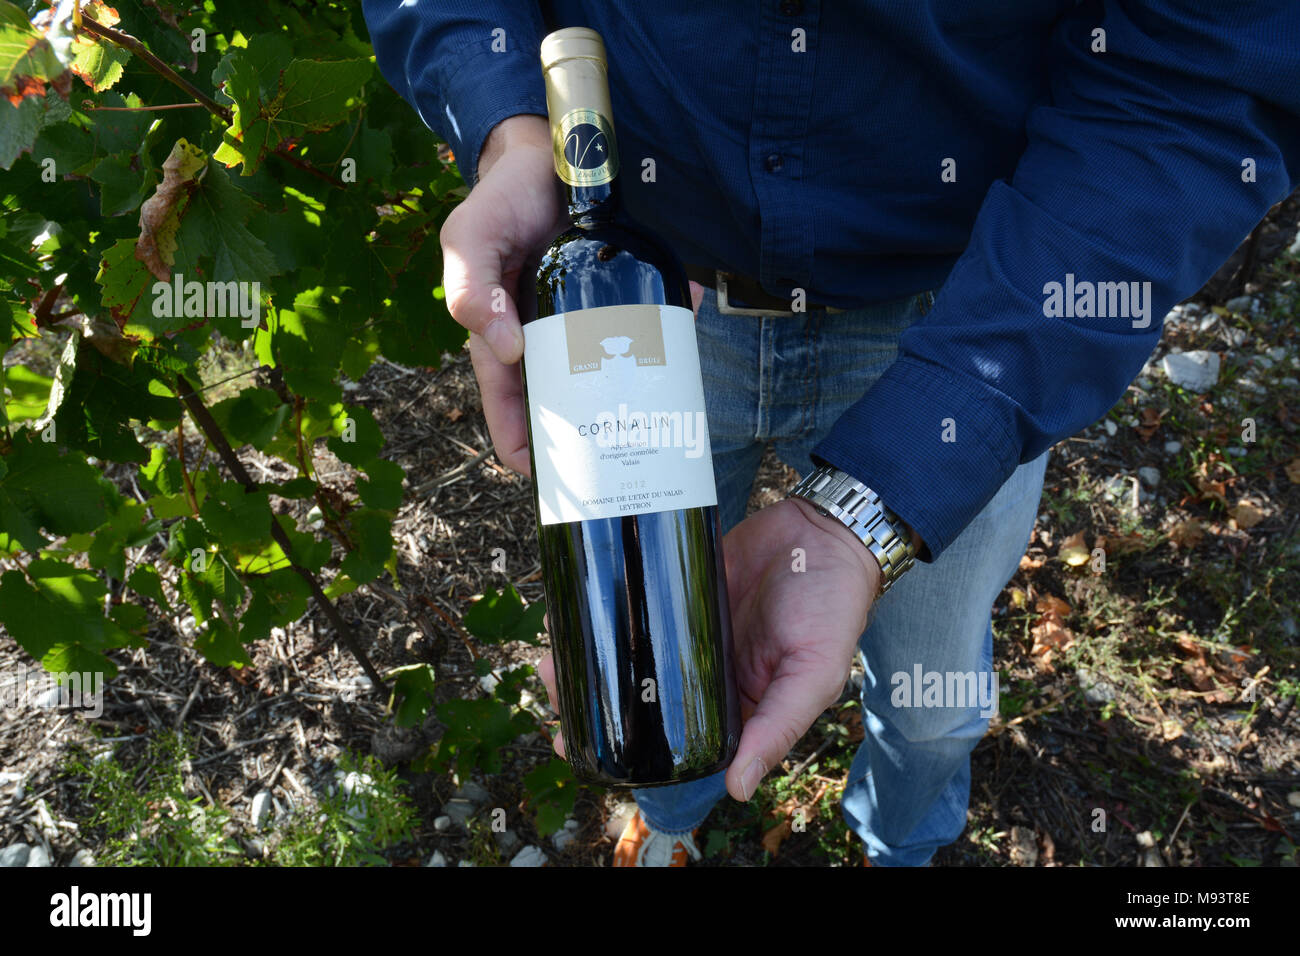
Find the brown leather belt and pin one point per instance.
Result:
(733, 290)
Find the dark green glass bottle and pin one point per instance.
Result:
(623, 477)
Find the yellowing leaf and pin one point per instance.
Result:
(99, 63)
(1074, 550)
(160, 214)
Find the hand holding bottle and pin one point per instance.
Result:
(490, 240)
(795, 632)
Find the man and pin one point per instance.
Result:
(1061, 173)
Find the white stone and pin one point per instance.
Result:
(1241, 304)
(38, 857)
(15, 855)
(1111, 428)
(260, 809)
(1173, 447)
(1250, 385)
(442, 823)
(1150, 476)
(529, 856)
(1277, 353)
(563, 839)
(1236, 451)
(82, 857)
(437, 859)
(1195, 371)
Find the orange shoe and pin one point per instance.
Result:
(642, 845)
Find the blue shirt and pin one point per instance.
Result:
(1022, 157)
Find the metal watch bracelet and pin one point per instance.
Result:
(842, 497)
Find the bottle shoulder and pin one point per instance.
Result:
(609, 263)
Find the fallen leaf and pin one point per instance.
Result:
(1190, 645)
(1018, 598)
(1030, 564)
(1170, 729)
(1150, 422)
(1050, 633)
(774, 837)
(1120, 544)
(1200, 674)
(1050, 605)
(1074, 550)
(1293, 471)
(1187, 534)
(454, 415)
(1213, 490)
(1246, 515)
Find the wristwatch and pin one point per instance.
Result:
(839, 495)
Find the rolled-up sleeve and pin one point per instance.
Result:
(1149, 163)
(463, 65)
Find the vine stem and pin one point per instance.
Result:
(208, 425)
(185, 473)
(128, 42)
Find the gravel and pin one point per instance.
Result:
(529, 856)
(1195, 371)
(15, 855)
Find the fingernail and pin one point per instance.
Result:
(749, 780)
(503, 339)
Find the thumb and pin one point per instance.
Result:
(792, 701)
(476, 296)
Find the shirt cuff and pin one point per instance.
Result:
(934, 474)
(480, 89)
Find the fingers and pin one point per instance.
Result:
(474, 250)
(502, 391)
(789, 706)
(546, 669)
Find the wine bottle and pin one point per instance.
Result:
(627, 517)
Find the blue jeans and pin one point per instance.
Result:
(786, 379)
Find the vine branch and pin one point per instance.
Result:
(208, 425)
(128, 42)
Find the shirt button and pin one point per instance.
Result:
(773, 162)
(791, 8)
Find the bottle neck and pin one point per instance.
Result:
(589, 205)
(582, 131)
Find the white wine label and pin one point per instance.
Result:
(616, 407)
